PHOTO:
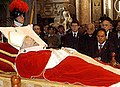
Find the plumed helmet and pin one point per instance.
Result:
(18, 7)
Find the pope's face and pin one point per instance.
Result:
(29, 42)
(20, 18)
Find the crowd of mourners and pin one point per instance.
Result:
(99, 39)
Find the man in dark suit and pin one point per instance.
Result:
(72, 39)
(107, 24)
(89, 38)
(103, 49)
(118, 41)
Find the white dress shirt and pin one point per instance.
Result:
(75, 34)
(101, 44)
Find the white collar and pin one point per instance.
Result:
(101, 44)
(118, 34)
(90, 35)
(107, 34)
(18, 23)
(75, 32)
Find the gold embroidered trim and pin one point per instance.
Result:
(1, 71)
(8, 54)
(8, 62)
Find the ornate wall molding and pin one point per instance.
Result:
(50, 8)
(116, 12)
(96, 9)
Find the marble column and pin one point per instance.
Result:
(83, 11)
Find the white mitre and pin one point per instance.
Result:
(17, 35)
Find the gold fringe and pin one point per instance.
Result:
(8, 54)
(1, 71)
(8, 62)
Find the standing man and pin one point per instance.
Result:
(18, 8)
(118, 41)
(17, 12)
(108, 26)
(72, 39)
(89, 39)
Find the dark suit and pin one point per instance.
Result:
(118, 49)
(105, 52)
(88, 43)
(72, 42)
(112, 38)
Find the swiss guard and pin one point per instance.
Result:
(8, 53)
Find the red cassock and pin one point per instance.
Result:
(72, 69)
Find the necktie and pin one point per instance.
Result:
(100, 47)
(74, 35)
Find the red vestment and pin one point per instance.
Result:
(72, 69)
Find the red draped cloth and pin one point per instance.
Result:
(32, 64)
(72, 69)
(7, 53)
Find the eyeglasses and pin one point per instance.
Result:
(106, 25)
